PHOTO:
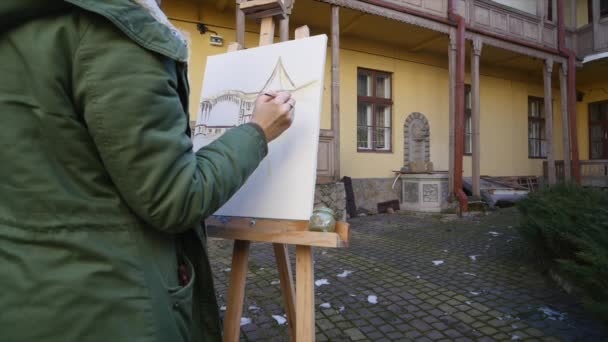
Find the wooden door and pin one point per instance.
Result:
(598, 130)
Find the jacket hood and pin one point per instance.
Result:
(136, 19)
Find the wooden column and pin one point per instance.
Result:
(240, 25)
(547, 70)
(284, 29)
(572, 14)
(335, 86)
(563, 86)
(452, 107)
(475, 116)
(597, 38)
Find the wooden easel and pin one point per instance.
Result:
(299, 302)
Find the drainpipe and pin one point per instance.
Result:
(571, 55)
(459, 120)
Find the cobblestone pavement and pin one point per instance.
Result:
(485, 286)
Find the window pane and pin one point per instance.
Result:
(364, 134)
(468, 134)
(604, 110)
(383, 86)
(532, 109)
(594, 112)
(364, 84)
(597, 150)
(533, 130)
(364, 123)
(467, 98)
(364, 114)
(382, 125)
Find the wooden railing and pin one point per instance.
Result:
(500, 19)
(593, 172)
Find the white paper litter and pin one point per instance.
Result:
(344, 274)
(437, 262)
(227, 269)
(275, 282)
(468, 302)
(372, 299)
(223, 308)
(473, 257)
(515, 337)
(253, 308)
(494, 233)
(325, 305)
(417, 277)
(445, 251)
(341, 309)
(321, 282)
(474, 293)
(280, 319)
(552, 314)
(468, 273)
(245, 321)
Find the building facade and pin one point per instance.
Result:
(484, 75)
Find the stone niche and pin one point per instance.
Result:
(417, 144)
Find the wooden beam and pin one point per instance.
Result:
(547, 70)
(352, 22)
(503, 61)
(426, 42)
(305, 295)
(236, 291)
(335, 86)
(287, 288)
(302, 32)
(318, 239)
(240, 25)
(475, 118)
(267, 31)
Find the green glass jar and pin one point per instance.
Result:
(322, 220)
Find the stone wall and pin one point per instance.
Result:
(333, 196)
(370, 191)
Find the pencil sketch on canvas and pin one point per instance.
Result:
(282, 187)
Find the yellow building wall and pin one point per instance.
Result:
(420, 84)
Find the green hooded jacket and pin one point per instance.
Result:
(101, 195)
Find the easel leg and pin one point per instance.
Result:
(305, 295)
(286, 278)
(236, 291)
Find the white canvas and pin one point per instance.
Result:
(282, 187)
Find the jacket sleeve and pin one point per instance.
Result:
(129, 101)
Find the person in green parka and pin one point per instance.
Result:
(101, 197)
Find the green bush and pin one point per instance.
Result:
(569, 224)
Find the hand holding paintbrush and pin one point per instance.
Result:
(274, 113)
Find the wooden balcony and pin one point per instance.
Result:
(527, 24)
(593, 172)
(592, 38)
